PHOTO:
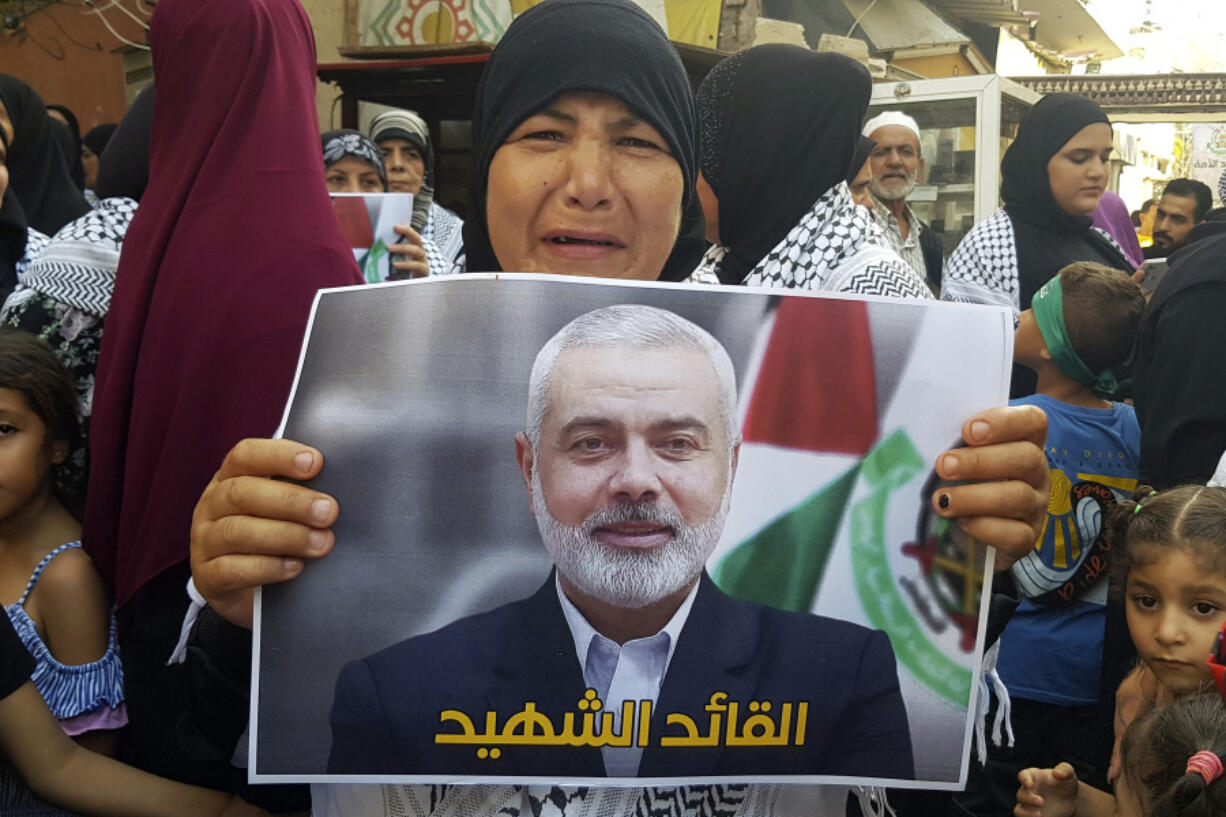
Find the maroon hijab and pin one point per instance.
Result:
(233, 237)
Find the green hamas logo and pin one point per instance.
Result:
(890, 465)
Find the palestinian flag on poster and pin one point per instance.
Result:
(810, 417)
(845, 406)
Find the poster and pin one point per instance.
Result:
(1207, 154)
(835, 630)
(369, 221)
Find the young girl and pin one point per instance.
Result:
(1173, 573)
(57, 603)
(75, 778)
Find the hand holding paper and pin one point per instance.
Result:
(249, 529)
(1007, 504)
(412, 262)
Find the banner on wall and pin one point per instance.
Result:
(389, 23)
(1207, 154)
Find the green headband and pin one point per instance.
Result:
(1048, 306)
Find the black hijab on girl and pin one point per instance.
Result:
(38, 173)
(1046, 238)
(606, 46)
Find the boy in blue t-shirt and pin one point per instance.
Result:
(1082, 324)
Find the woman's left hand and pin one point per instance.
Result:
(1004, 501)
(414, 263)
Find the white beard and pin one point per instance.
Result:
(883, 193)
(625, 577)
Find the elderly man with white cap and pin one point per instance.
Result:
(895, 164)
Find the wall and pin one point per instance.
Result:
(938, 67)
(328, 22)
(87, 75)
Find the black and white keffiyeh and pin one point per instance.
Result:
(835, 247)
(443, 237)
(76, 267)
(36, 242)
(1007, 258)
(984, 267)
(728, 800)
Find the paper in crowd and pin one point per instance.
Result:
(368, 221)
(500, 550)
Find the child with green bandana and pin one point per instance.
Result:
(1080, 325)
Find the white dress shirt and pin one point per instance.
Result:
(632, 671)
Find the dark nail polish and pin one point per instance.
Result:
(943, 501)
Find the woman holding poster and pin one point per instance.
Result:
(589, 170)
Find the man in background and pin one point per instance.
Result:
(896, 162)
(1184, 204)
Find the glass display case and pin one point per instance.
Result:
(965, 125)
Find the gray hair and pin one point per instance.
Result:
(644, 327)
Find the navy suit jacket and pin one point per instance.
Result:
(386, 710)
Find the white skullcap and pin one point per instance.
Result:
(891, 118)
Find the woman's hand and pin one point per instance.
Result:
(249, 529)
(1005, 503)
(414, 263)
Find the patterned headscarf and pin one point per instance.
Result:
(1221, 187)
(402, 124)
(338, 144)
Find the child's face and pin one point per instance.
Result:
(1175, 608)
(1028, 346)
(25, 457)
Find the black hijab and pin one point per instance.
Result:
(14, 232)
(863, 151)
(38, 174)
(780, 126)
(69, 116)
(606, 46)
(1047, 238)
(123, 167)
(70, 151)
(98, 138)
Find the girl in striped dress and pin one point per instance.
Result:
(54, 597)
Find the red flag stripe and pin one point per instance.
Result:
(815, 389)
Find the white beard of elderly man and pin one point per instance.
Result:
(628, 460)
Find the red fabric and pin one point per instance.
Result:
(816, 390)
(233, 236)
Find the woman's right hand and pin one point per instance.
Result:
(249, 529)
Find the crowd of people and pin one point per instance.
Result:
(157, 280)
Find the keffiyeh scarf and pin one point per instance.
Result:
(835, 247)
(77, 267)
(983, 268)
(731, 800)
(443, 237)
